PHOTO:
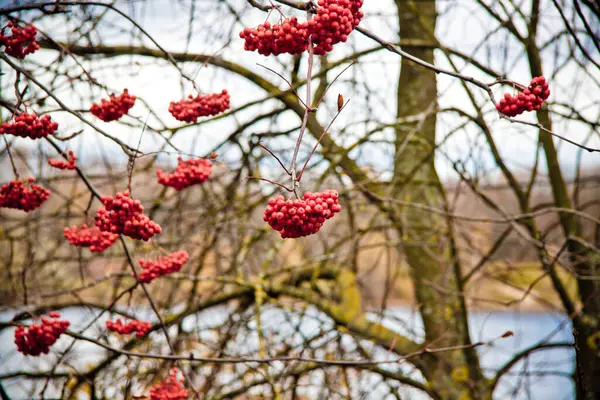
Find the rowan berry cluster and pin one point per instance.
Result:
(334, 21)
(115, 108)
(187, 173)
(29, 125)
(301, 217)
(21, 42)
(71, 162)
(141, 328)
(203, 105)
(37, 338)
(16, 194)
(529, 99)
(163, 266)
(171, 389)
(291, 37)
(122, 214)
(94, 238)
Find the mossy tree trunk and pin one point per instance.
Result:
(430, 248)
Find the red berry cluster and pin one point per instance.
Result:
(115, 108)
(203, 105)
(529, 99)
(187, 173)
(122, 214)
(29, 125)
(94, 238)
(71, 162)
(16, 194)
(38, 338)
(290, 37)
(163, 266)
(297, 218)
(171, 389)
(22, 41)
(140, 327)
(334, 21)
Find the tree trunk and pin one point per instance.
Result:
(432, 253)
(585, 261)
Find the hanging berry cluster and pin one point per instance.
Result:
(94, 238)
(203, 105)
(163, 266)
(186, 174)
(17, 194)
(37, 338)
(21, 42)
(529, 99)
(291, 37)
(115, 108)
(71, 162)
(29, 125)
(171, 389)
(122, 214)
(301, 217)
(334, 21)
(141, 328)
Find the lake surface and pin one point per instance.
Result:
(544, 376)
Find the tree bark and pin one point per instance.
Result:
(434, 264)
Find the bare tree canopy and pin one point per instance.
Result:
(277, 199)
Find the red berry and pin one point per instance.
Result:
(200, 106)
(163, 266)
(16, 194)
(29, 125)
(93, 238)
(71, 162)
(37, 338)
(187, 173)
(171, 389)
(529, 99)
(21, 42)
(114, 108)
(334, 21)
(123, 215)
(294, 219)
(140, 327)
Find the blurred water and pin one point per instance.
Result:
(545, 377)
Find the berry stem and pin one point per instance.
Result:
(12, 162)
(295, 181)
(319, 141)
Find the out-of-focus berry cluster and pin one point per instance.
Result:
(71, 162)
(187, 173)
(93, 237)
(23, 196)
(170, 389)
(21, 42)
(37, 338)
(301, 217)
(141, 328)
(163, 266)
(203, 105)
(114, 108)
(122, 214)
(29, 125)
